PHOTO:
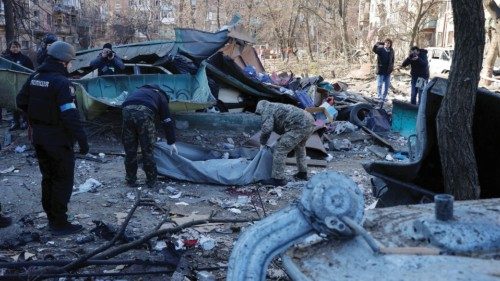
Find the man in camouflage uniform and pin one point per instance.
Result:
(295, 126)
(140, 110)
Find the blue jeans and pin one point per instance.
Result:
(385, 81)
(415, 91)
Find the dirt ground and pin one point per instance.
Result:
(206, 247)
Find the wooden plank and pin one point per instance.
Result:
(310, 162)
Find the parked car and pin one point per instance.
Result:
(135, 69)
(439, 60)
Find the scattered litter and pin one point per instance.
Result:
(185, 219)
(172, 190)
(340, 144)
(234, 210)
(189, 243)
(276, 274)
(102, 155)
(372, 205)
(82, 216)
(8, 170)
(329, 158)
(82, 239)
(230, 141)
(381, 152)
(102, 230)
(204, 276)
(131, 196)
(120, 217)
(182, 204)
(160, 245)
(20, 149)
(343, 126)
(179, 245)
(225, 155)
(400, 156)
(89, 185)
(228, 146)
(278, 191)
(206, 243)
(176, 196)
(389, 157)
(272, 202)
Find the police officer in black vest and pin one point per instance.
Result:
(48, 98)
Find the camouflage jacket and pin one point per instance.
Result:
(281, 118)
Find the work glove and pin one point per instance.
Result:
(84, 147)
(173, 149)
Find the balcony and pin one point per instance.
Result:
(431, 24)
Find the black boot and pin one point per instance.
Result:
(64, 228)
(300, 176)
(5, 221)
(274, 182)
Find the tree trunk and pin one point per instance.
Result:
(218, 14)
(308, 34)
(493, 48)
(343, 24)
(10, 31)
(454, 119)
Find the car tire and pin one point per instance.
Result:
(358, 114)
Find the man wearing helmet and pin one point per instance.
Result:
(48, 98)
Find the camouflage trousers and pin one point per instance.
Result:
(294, 139)
(139, 129)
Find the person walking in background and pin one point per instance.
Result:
(385, 66)
(417, 59)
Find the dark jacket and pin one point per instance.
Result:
(385, 59)
(105, 66)
(48, 97)
(419, 66)
(18, 58)
(154, 98)
(41, 54)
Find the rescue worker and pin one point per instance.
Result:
(140, 110)
(295, 126)
(107, 62)
(14, 54)
(47, 40)
(48, 97)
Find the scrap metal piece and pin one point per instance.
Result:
(327, 198)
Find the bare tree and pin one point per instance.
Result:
(10, 24)
(454, 119)
(423, 9)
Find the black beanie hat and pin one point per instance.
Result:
(107, 46)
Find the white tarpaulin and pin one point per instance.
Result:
(196, 164)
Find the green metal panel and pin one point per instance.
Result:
(186, 92)
(7, 64)
(10, 83)
(404, 118)
(95, 95)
